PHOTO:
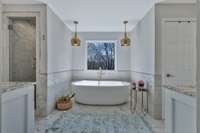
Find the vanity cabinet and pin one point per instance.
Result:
(180, 112)
(17, 109)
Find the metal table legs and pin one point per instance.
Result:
(133, 106)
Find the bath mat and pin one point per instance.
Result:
(81, 122)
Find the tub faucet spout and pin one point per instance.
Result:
(100, 75)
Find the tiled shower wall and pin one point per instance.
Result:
(59, 59)
(59, 84)
(54, 77)
(4, 54)
(143, 62)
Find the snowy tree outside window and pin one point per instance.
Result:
(101, 54)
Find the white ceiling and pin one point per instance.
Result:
(20, 1)
(100, 15)
(96, 15)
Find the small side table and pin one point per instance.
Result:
(144, 90)
(133, 88)
(133, 106)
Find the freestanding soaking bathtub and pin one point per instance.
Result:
(101, 92)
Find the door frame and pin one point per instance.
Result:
(6, 18)
(41, 76)
(163, 20)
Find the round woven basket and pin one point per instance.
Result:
(64, 105)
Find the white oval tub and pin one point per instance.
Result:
(101, 93)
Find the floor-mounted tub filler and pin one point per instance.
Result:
(101, 92)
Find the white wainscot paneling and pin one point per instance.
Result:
(17, 111)
(180, 116)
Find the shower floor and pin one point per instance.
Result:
(47, 123)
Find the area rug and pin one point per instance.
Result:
(79, 122)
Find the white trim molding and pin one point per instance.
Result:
(198, 66)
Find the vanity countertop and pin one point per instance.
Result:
(11, 86)
(186, 90)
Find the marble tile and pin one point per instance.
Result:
(155, 123)
(41, 94)
(159, 130)
(11, 86)
(186, 90)
(59, 84)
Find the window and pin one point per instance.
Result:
(101, 54)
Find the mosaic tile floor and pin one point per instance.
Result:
(114, 119)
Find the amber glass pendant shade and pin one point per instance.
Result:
(125, 41)
(75, 41)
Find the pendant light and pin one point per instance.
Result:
(75, 41)
(125, 41)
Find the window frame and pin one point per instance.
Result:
(86, 54)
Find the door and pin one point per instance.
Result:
(22, 41)
(179, 53)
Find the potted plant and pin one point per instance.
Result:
(64, 102)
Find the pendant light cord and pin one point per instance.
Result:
(125, 34)
(75, 30)
(75, 34)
